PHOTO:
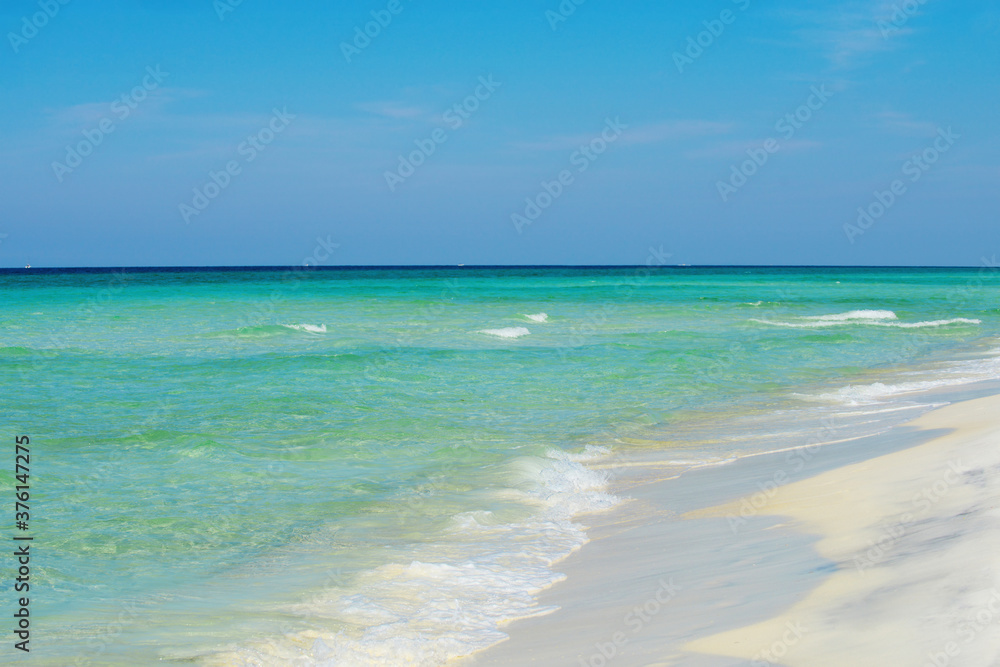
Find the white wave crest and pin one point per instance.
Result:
(311, 328)
(862, 394)
(506, 332)
(874, 318)
(935, 323)
(855, 315)
(957, 373)
(538, 317)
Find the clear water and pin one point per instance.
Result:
(381, 466)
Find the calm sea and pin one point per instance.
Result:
(380, 466)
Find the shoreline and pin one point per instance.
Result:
(911, 533)
(684, 571)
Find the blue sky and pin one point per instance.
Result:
(309, 129)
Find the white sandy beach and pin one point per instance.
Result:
(880, 552)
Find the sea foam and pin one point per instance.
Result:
(506, 332)
(452, 597)
(877, 318)
(311, 328)
(955, 374)
(852, 315)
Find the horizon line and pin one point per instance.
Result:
(414, 267)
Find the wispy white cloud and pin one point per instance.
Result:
(902, 123)
(396, 110)
(87, 114)
(648, 133)
(79, 115)
(735, 149)
(849, 34)
(217, 135)
(850, 46)
(671, 130)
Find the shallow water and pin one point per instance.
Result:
(354, 466)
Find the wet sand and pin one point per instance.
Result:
(876, 551)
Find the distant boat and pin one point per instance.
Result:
(27, 266)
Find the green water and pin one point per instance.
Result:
(211, 451)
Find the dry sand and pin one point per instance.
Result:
(915, 537)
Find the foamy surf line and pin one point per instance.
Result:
(875, 318)
(707, 571)
(310, 328)
(506, 332)
(955, 374)
(268, 330)
(452, 597)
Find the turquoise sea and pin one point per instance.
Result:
(381, 466)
